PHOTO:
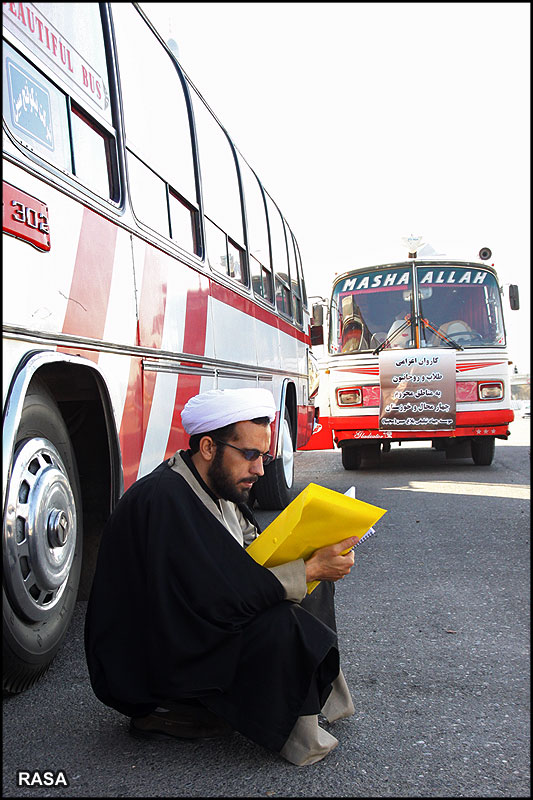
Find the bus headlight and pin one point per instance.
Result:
(350, 397)
(490, 391)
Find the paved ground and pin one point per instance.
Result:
(434, 635)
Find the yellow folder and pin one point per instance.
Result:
(316, 518)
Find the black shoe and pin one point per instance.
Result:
(188, 722)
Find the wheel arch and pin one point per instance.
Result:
(288, 402)
(80, 391)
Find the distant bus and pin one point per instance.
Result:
(414, 350)
(143, 262)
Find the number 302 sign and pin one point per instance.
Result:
(25, 217)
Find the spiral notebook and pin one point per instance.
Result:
(351, 493)
(316, 518)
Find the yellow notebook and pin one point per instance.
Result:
(316, 518)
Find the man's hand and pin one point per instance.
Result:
(328, 563)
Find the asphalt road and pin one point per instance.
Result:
(434, 634)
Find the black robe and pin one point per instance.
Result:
(178, 609)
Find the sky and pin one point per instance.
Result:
(368, 122)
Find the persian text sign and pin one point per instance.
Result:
(417, 390)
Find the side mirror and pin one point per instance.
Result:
(514, 300)
(317, 317)
(317, 334)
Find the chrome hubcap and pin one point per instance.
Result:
(287, 454)
(39, 529)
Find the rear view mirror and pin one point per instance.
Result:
(317, 321)
(424, 292)
(317, 334)
(318, 315)
(514, 300)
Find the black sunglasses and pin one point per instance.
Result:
(250, 455)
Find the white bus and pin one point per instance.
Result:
(144, 261)
(415, 350)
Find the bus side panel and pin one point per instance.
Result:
(82, 289)
(36, 287)
(173, 308)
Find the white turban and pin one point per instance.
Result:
(219, 407)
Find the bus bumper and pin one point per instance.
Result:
(331, 431)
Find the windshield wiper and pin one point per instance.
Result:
(445, 338)
(388, 340)
(427, 324)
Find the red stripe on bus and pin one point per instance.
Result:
(153, 299)
(478, 365)
(193, 342)
(246, 305)
(131, 431)
(91, 281)
(141, 384)
(459, 367)
(196, 318)
(151, 321)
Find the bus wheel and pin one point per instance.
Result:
(274, 488)
(371, 455)
(351, 456)
(483, 450)
(42, 542)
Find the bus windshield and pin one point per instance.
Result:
(375, 308)
(462, 303)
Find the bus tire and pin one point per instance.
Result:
(274, 489)
(42, 541)
(351, 456)
(371, 455)
(483, 450)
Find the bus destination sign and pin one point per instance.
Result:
(417, 390)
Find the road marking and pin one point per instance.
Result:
(515, 491)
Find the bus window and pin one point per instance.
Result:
(220, 185)
(223, 255)
(235, 262)
(462, 303)
(91, 162)
(35, 110)
(279, 258)
(368, 307)
(69, 47)
(283, 295)
(300, 271)
(182, 222)
(256, 222)
(149, 195)
(40, 114)
(293, 272)
(216, 246)
(261, 280)
(157, 128)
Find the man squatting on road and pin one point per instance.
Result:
(185, 633)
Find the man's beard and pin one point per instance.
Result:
(222, 485)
